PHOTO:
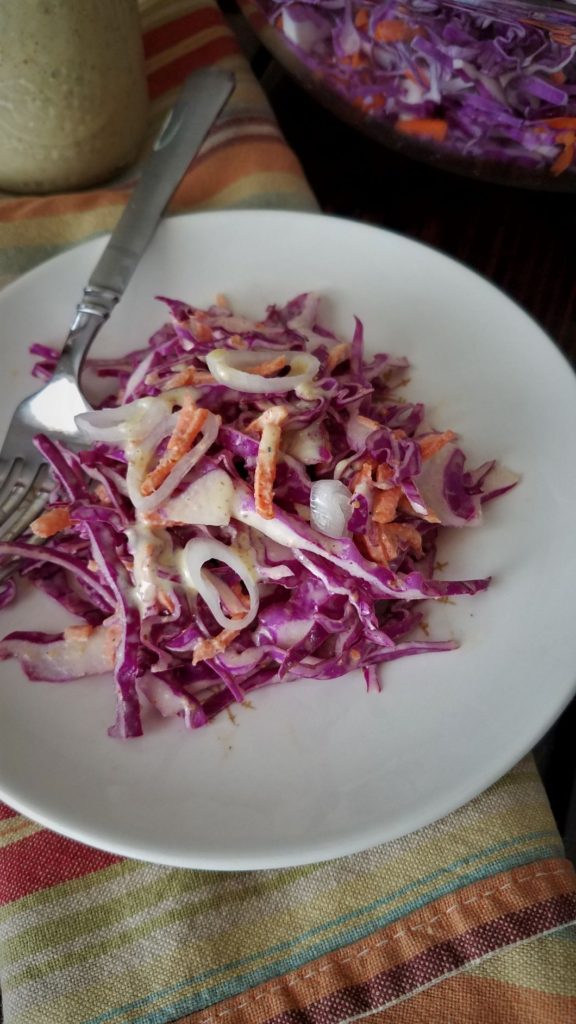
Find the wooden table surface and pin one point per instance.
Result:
(522, 240)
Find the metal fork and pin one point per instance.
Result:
(25, 482)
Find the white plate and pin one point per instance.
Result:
(321, 769)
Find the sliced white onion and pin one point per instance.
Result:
(358, 430)
(199, 551)
(226, 367)
(128, 422)
(138, 460)
(330, 507)
(138, 374)
(166, 700)
(306, 444)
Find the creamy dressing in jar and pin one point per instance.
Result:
(73, 96)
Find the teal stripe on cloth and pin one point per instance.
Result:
(293, 960)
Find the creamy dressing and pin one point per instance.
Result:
(308, 391)
(151, 550)
(211, 500)
(73, 96)
(205, 502)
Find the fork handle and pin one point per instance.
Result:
(204, 94)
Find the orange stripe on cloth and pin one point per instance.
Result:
(173, 32)
(175, 72)
(224, 165)
(467, 1000)
(421, 948)
(234, 161)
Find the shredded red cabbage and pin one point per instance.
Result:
(495, 82)
(257, 505)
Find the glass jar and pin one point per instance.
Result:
(73, 96)
(484, 87)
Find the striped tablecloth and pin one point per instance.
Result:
(468, 921)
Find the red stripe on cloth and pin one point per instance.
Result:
(434, 963)
(173, 32)
(44, 860)
(173, 74)
(6, 812)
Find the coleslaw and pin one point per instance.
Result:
(487, 81)
(256, 504)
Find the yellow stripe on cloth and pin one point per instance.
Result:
(12, 830)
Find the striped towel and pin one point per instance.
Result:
(468, 921)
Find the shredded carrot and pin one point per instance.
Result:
(361, 18)
(164, 600)
(392, 30)
(432, 443)
(189, 377)
(355, 60)
(365, 421)
(392, 535)
(206, 649)
(363, 474)
(274, 414)
(371, 548)
(188, 425)
(237, 341)
(374, 102)
(83, 632)
(558, 33)
(564, 161)
(558, 77)
(222, 301)
(202, 331)
(102, 494)
(566, 138)
(271, 423)
(51, 522)
(424, 127)
(269, 368)
(383, 473)
(564, 38)
(561, 122)
(540, 23)
(236, 589)
(339, 354)
(385, 505)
